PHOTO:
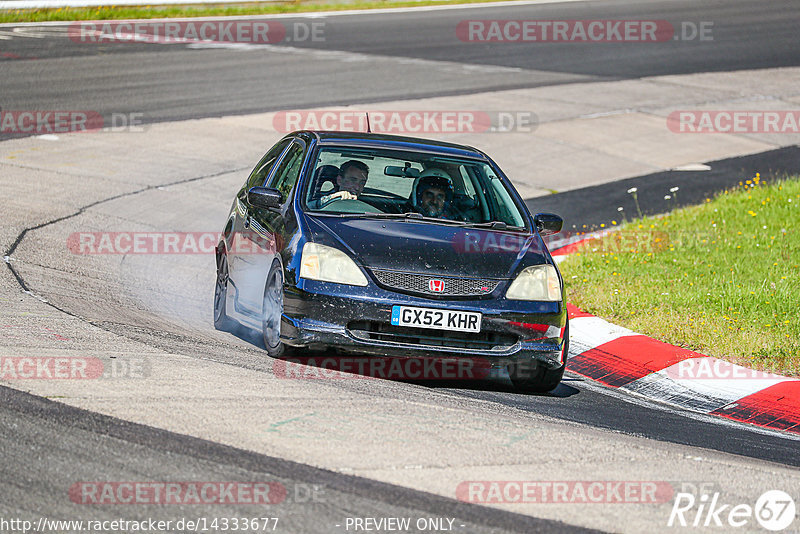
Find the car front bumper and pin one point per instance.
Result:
(357, 320)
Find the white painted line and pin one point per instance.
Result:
(607, 113)
(350, 57)
(693, 167)
(36, 4)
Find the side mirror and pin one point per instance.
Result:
(264, 197)
(548, 223)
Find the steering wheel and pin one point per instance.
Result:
(349, 206)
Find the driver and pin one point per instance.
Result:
(349, 183)
(433, 194)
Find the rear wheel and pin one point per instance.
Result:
(526, 377)
(221, 320)
(272, 311)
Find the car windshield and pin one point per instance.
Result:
(387, 183)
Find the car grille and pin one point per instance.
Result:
(380, 331)
(419, 284)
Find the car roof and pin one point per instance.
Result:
(373, 140)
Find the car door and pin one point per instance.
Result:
(241, 264)
(266, 226)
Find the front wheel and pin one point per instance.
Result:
(526, 379)
(221, 320)
(272, 311)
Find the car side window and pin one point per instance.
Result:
(260, 173)
(288, 171)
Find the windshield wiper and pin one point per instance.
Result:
(494, 225)
(411, 215)
(369, 215)
(408, 215)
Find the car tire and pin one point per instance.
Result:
(545, 380)
(272, 311)
(221, 319)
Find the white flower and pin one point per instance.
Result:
(673, 189)
(667, 197)
(619, 208)
(632, 190)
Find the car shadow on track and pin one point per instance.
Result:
(430, 372)
(498, 385)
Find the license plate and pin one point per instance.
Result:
(460, 321)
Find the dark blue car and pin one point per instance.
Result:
(395, 247)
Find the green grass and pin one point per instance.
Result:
(112, 12)
(721, 278)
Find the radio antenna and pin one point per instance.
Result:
(369, 130)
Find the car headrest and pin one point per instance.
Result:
(325, 173)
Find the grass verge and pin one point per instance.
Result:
(112, 12)
(721, 278)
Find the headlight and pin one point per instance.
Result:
(539, 282)
(328, 264)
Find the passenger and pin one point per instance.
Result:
(433, 194)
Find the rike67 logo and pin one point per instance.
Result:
(774, 510)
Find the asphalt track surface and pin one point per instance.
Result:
(368, 58)
(31, 423)
(574, 400)
(166, 83)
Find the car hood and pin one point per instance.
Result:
(428, 247)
